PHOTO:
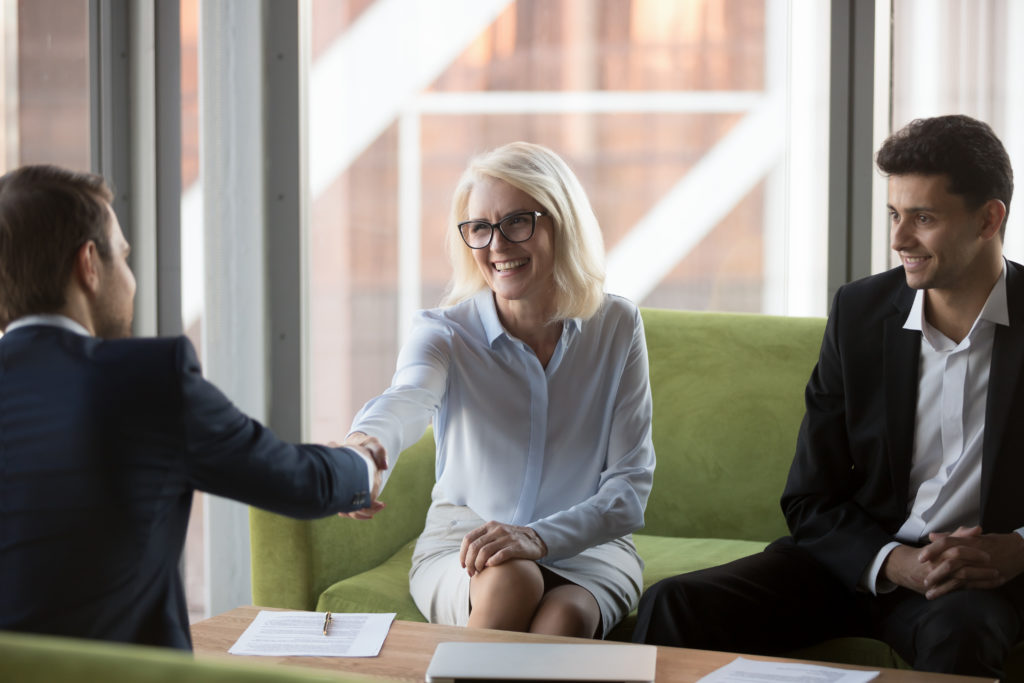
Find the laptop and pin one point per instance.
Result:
(538, 662)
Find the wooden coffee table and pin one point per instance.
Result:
(410, 645)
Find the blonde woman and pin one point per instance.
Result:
(537, 385)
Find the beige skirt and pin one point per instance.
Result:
(611, 571)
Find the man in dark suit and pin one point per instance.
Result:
(903, 498)
(103, 439)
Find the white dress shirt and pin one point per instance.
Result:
(949, 430)
(51, 319)
(564, 449)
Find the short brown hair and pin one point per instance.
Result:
(46, 214)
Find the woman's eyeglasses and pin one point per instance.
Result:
(517, 227)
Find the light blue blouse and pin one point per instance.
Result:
(565, 449)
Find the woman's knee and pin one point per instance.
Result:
(567, 611)
(506, 596)
(519, 578)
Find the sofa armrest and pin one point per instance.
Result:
(293, 561)
(31, 657)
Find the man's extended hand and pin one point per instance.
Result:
(372, 450)
(965, 558)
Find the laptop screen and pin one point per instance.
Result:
(541, 662)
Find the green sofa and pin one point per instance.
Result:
(28, 658)
(728, 400)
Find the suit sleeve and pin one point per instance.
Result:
(231, 455)
(820, 500)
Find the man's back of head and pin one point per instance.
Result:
(47, 214)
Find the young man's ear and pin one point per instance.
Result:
(86, 267)
(992, 213)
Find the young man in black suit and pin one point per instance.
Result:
(103, 438)
(903, 499)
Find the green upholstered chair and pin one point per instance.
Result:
(28, 658)
(728, 400)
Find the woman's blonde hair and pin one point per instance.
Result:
(578, 244)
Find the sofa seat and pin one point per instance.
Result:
(386, 589)
(378, 590)
(666, 556)
(382, 589)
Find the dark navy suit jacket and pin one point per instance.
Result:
(848, 487)
(101, 445)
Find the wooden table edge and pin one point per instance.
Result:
(407, 650)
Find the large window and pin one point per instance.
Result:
(962, 57)
(698, 127)
(192, 256)
(44, 83)
(699, 130)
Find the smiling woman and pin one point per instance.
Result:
(523, 177)
(537, 491)
(521, 274)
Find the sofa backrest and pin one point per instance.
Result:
(728, 400)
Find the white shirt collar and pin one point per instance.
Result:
(49, 320)
(489, 315)
(995, 309)
(492, 325)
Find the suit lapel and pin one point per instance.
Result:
(1004, 375)
(901, 359)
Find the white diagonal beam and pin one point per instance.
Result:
(392, 52)
(697, 203)
(589, 102)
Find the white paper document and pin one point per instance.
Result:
(742, 670)
(288, 634)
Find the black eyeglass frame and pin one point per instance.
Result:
(497, 226)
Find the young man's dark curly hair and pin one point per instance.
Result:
(963, 149)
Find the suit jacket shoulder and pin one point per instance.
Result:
(843, 500)
(101, 445)
(848, 488)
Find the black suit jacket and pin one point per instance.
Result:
(847, 492)
(101, 446)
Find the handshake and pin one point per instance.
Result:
(372, 451)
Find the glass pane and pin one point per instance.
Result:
(694, 127)
(193, 564)
(44, 83)
(963, 57)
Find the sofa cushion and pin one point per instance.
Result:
(384, 588)
(728, 400)
(665, 556)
